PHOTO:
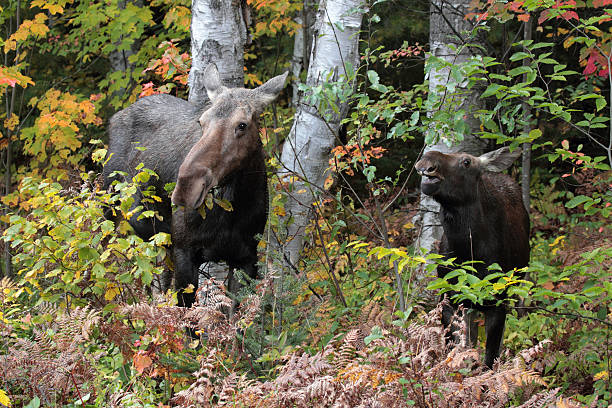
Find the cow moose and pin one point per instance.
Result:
(202, 149)
(483, 218)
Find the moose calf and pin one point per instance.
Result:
(218, 147)
(484, 219)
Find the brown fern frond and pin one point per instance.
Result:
(76, 326)
(372, 315)
(228, 390)
(542, 399)
(53, 362)
(155, 316)
(212, 295)
(124, 399)
(352, 341)
(251, 306)
(201, 391)
(532, 353)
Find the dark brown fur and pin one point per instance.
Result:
(199, 149)
(484, 219)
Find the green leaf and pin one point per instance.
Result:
(520, 70)
(600, 103)
(376, 334)
(576, 201)
(519, 56)
(373, 77)
(88, 254)
(492, 90)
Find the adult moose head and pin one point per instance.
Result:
(198, 149)
(230, 134)
(484, 220)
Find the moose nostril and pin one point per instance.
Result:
(431, 169)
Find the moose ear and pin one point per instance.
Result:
(499, 160)
(268, 92)
(212, 81)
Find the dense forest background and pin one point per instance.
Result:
(354, 321)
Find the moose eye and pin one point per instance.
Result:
(466, 163)
(241, 126)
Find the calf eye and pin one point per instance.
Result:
(241, 126)
(466, 163)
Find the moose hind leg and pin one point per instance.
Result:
(185, 273)
(495, 322)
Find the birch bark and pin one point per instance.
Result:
(218, 34)
(448, 29)
(306, 151)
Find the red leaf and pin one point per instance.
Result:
(568, 15)
(523, 17)
(590, 66)
(10, 81)
(601, 3)
(544, 15)
(516, 6)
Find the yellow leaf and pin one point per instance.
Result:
(54, 8)
(279, 211)
(601, 375)
(225, 204)
(4, 399)
(111, 292)
(11, 122)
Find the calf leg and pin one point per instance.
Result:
(495, 321)
(448, 311)
(472, 327)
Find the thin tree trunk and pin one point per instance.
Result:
(526, 164)
(306, 151)
(302, 44)
(8, 163)
(218, 34)
(120, 59)
(448, 29)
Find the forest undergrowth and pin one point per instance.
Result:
(288, 344)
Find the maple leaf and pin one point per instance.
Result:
(523, 17)
(6, 80)
(141, 361)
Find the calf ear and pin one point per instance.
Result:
(212, 81)
(269, 91)
(499, 160)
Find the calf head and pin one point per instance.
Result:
(230, 134)
(452, 177)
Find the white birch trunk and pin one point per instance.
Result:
(447, 22)
(306, 151)
(218, 34)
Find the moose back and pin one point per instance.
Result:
(483, 218)
(201, 149)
